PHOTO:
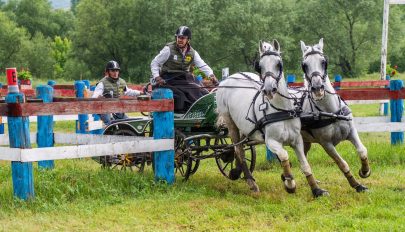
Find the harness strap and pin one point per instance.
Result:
(251, 107)
(315, 120)
(276, 117)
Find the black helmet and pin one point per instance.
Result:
(183, 31)
(112, 65)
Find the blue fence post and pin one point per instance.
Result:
(385, 105)
(397, 109)
(51, 83)
(81, 123)
(163, 128)
(338, 79)
(19, 134)
(45, 125)
(270, 156)
(290, 78)
(87, 83)
(1, 118)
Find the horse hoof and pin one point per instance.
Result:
(290, 190)
(319, 192)
(289, 183)
(253, 186)
(361, 188)
(364, 174)
(235, 173)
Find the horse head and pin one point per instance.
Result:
(315, 65)
(270, 67)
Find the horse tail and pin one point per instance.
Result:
(222, 119)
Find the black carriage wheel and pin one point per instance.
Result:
(226, 161)
(184, 164)
(128, 161)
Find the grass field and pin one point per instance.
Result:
(80, 196)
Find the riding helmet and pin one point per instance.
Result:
(183, 31)
(112, 65)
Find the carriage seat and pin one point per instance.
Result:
(200, 108)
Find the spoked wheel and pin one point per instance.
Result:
(226, 161)
(184, 162)
(127, 161)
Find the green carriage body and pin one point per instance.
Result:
(197, 137)
(200, 118)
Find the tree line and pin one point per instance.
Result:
(76, 43)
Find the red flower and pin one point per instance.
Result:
(393, 73)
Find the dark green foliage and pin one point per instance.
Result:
(225, 33)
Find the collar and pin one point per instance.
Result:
(113, 80)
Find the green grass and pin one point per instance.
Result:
(78, 195)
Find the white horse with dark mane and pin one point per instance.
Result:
(259, 108)
(329, 119)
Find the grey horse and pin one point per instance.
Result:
(260, 108)
(329, 121)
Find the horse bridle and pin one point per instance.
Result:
(268, 73)
(316, 73)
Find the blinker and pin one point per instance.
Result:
(263, 106)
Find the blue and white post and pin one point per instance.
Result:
(80, 87)
(45, 125)
(19, 135)
(163, 128)
(397, 109)
(96, 117)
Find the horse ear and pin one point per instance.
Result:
(276, 45)
(321, 44)
(304, 48)
(260, 46)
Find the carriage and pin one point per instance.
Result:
(196, 138)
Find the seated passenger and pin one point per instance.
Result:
(112, 86)
(171, 69)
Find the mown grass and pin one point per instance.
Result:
(78, 195)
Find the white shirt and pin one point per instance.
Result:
(98, 91)
(164, 55)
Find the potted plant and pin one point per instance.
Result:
(25, 77)
(392, 71)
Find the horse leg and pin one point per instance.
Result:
(240, 154)
(307, 147)
(344, 167)
(365, 170)
(286, 176)
(306, 169)
(246, 171)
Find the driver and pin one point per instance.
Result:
(171, 69)
(112, 86)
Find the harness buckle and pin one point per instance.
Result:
(293, 113)
(317, 116)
